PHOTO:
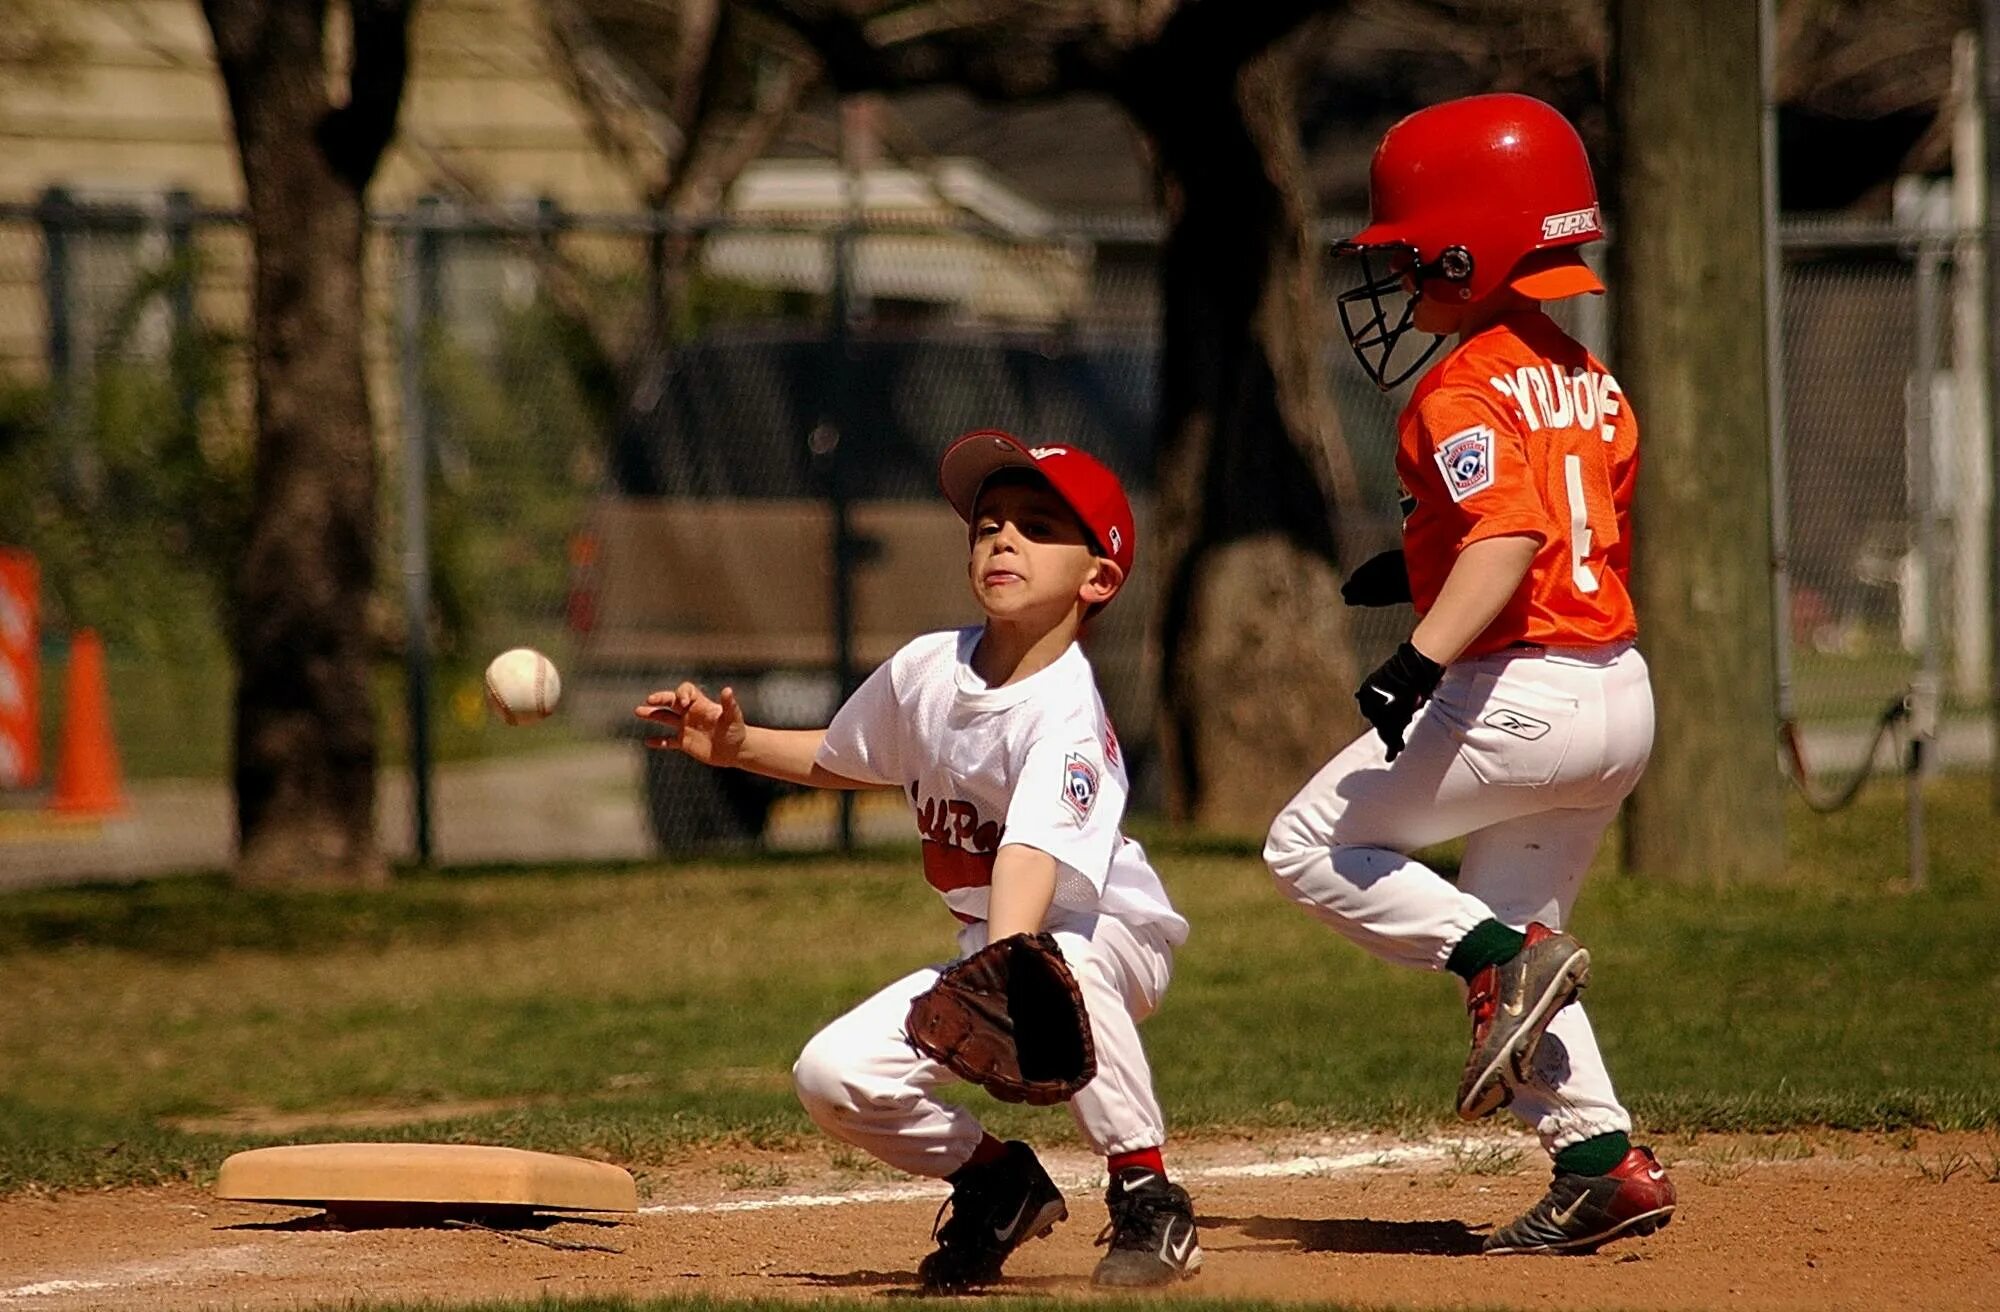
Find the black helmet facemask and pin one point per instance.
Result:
(1375, 324)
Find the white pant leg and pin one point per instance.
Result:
(1123, 973)
(1531, 869)
(1340, 847)
(1506, 737)
(862, 1082)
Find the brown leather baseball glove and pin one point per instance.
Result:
(1009, 1018)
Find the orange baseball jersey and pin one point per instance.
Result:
(1520, 430)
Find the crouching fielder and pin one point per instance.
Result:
(1518, 715)
(997, 738)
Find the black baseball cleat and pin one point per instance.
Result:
(994, 1210)
(1579, 1212)
(1152, 1234)
(1511, 1004)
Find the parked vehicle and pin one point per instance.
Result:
(767, 494)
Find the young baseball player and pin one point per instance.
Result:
(1518, 715)
(997, 737)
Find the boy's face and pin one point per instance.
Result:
(1031, 556)
(1437, 317)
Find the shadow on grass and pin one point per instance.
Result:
(193, 917)
(1421, 1238)
(891, 1283)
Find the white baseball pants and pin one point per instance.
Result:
(1527, 753)
(863, 1083)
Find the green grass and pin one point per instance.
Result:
(630, 1013)
(1854, 686)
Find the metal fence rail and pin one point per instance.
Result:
(621, 419)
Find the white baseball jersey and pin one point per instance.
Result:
(1035, 762)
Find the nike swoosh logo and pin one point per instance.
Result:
(1383, 693)
(1568, 1214)
(1175, 1252)
(1005, 1232)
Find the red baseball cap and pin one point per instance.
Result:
(1081, 480)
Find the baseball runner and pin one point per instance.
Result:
(1518, 715)
(997, 737)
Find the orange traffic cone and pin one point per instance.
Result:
(87, 777)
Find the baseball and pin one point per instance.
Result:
(522, 685)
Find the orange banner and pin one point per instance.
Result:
(20, 670)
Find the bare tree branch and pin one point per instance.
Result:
(1225, 34)
(355, 134)
(626, 114)
(716, 158)
(36, 41)
(996, 51)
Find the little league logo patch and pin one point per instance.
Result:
(1466, 460)
(1079, 785)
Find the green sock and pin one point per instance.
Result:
(1594, 1156)
(1487, 943)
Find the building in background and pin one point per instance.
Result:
(124, 107)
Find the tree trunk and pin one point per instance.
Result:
(305, 727)
(1257, 671)
(1690, 327)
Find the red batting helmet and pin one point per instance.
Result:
(1465, 198)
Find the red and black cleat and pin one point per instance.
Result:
(1511, 1004)
(1580, 1212)
(995, 1209)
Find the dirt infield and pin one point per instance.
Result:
(1816, 1221)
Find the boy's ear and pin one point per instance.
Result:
(1103, 582)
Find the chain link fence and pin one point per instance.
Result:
(1885, 457)
(658, 450)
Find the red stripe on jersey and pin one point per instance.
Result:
(950, 868)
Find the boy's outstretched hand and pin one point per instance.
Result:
(697, 725)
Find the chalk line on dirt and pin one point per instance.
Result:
(132, 1274)
(54, 1287)
(1386, 1157)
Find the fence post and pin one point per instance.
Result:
(415, 306)
(1774, 369)
(548, 223)
(845, 547)
(57, 213)
(1966, 444)
(1923, 510)
(180, 304)
(656, 274)
(1989, 105)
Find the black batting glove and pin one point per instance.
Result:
(1378, 581)
(1391, 695)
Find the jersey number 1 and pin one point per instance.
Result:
(1579, 525)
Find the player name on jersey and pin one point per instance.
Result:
(1550, 396)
